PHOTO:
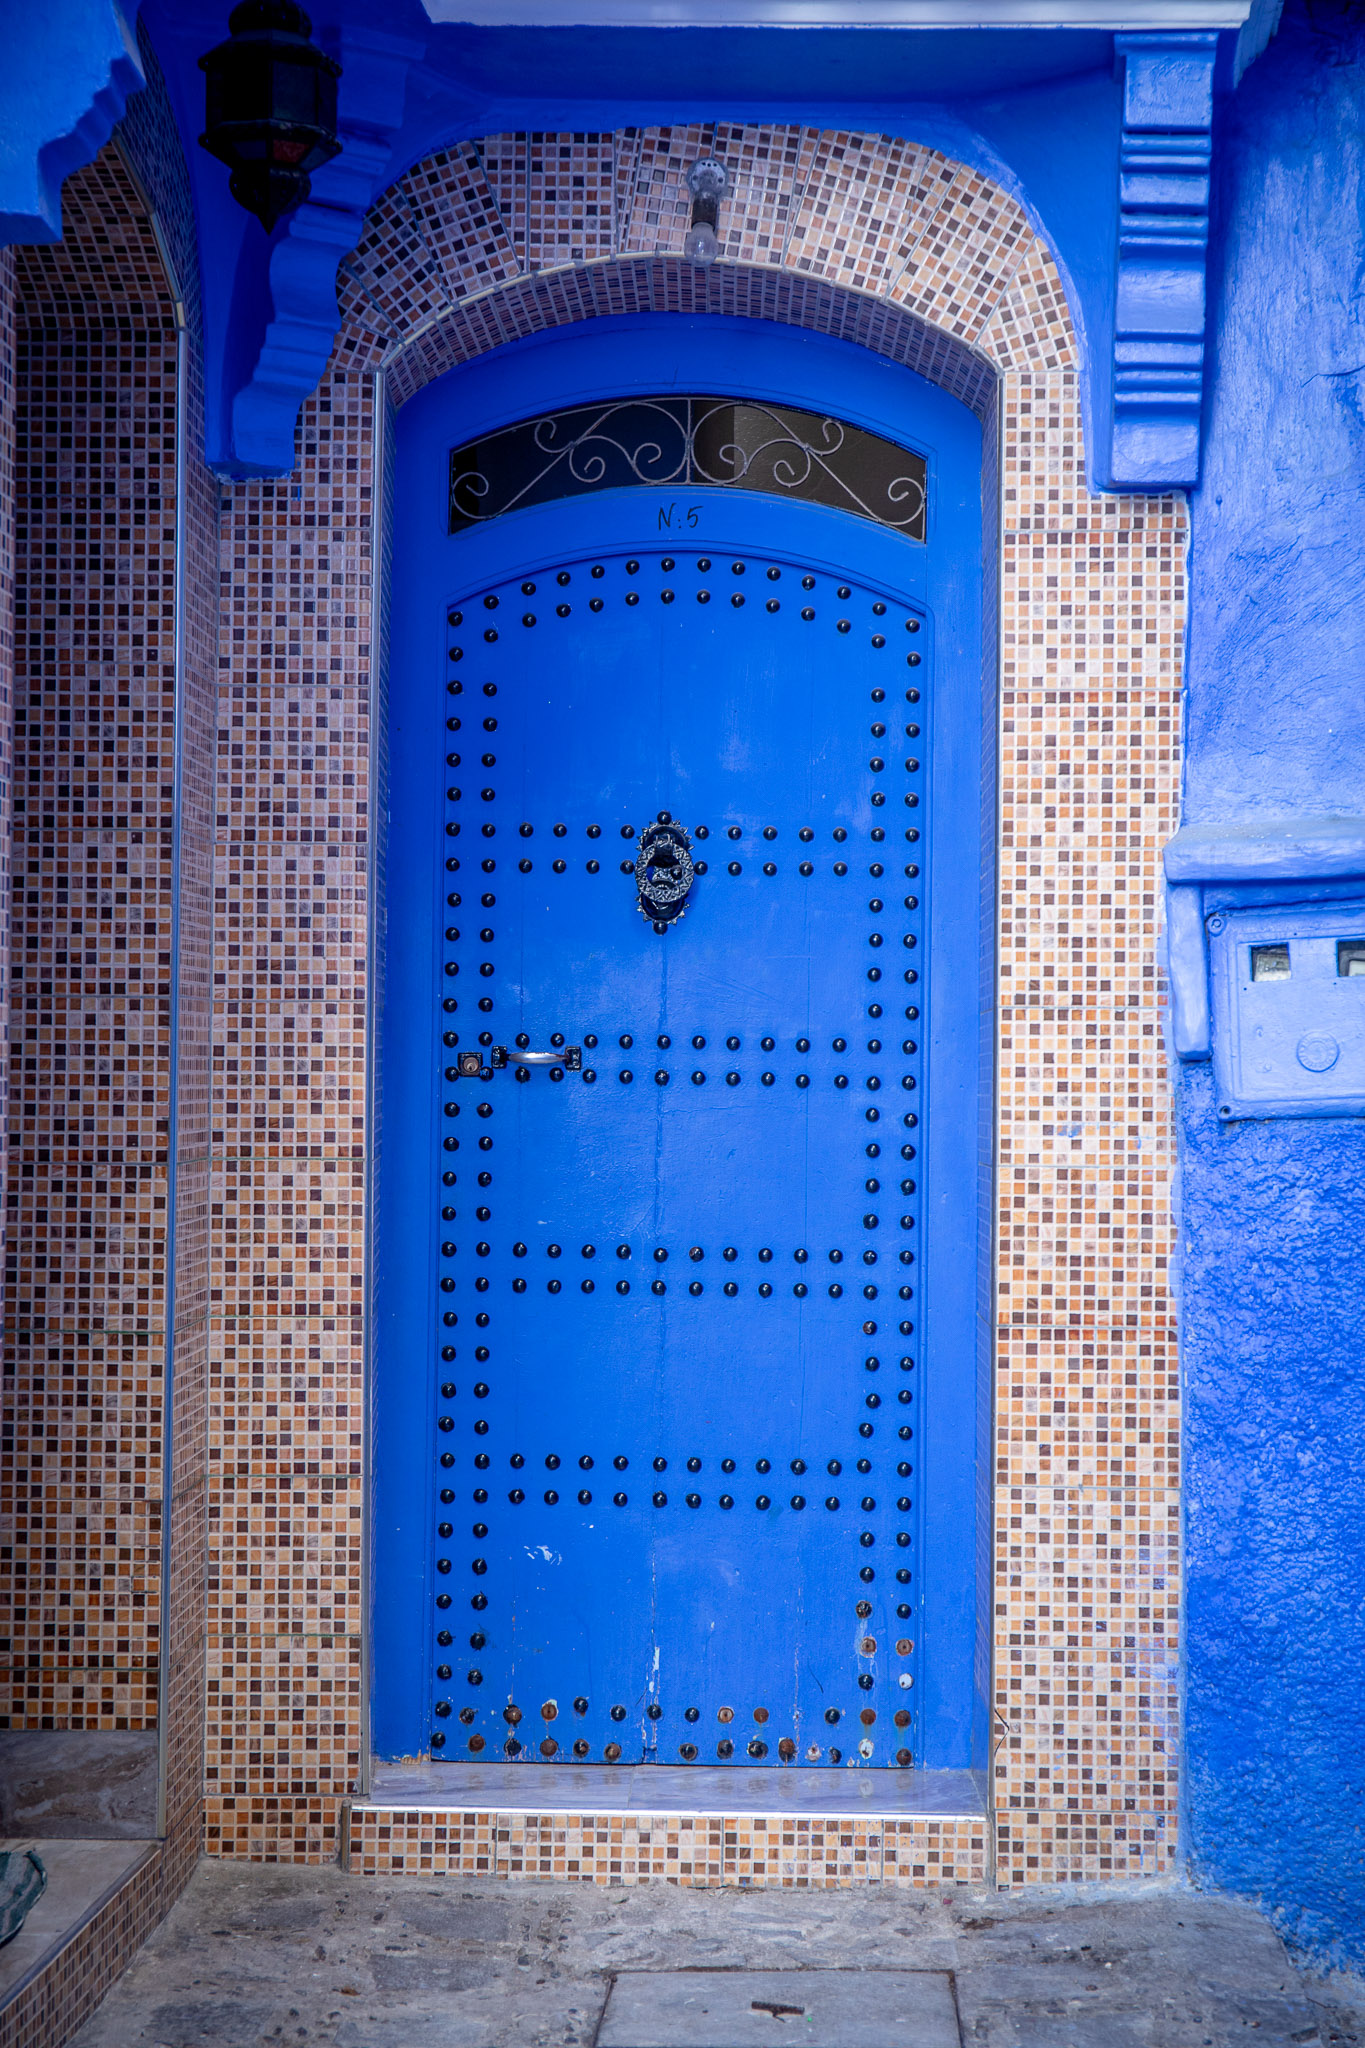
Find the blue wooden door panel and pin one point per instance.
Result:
(645, 1321)
(696, 1252)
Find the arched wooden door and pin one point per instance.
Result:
(664, 1362)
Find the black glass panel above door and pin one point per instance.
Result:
(680, 442)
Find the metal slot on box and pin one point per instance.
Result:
(1288, 988)
(1270, 963)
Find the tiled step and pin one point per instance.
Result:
(654, 1823)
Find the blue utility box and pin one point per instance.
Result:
(1288, 990)
(1265, 950)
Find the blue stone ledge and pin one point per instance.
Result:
(1254, 861)
(70, 66)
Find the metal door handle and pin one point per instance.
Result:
(470, 1065)
(570, 1057)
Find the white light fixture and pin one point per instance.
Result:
(708, 183)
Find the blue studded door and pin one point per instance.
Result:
(664, 1237)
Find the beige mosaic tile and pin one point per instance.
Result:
(1087, 1414)
(955, 1851)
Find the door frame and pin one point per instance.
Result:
(952, 574)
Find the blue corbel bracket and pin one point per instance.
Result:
(70, 66)
(1160, 289)
(1252, 863)
(303, 318)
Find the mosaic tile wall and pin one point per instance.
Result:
(151, 143)
(109, 1083)
(7, 513)
(890, 244)
(286, 1598)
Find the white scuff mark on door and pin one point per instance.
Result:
(535, 1550)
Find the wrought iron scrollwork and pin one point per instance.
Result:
(663, 872)
(677, 441)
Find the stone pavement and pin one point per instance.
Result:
(255, 1956)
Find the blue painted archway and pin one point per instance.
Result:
(680, 1354)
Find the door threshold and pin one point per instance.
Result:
(674, 1788)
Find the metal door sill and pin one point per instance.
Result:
(674, 1788)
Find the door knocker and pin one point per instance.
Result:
(663, 872)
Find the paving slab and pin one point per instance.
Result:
(767, 2008)
(277, 1956)
(78, 1784)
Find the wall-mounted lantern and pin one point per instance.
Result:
(708, 183)
(270, 106)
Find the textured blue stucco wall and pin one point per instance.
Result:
(1277, 637)
(1273, 1280)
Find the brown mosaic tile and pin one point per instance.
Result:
(306, 1749)
(1031, 326)
(8, 502)
(106, 680)
(115, 690)
(557, 195)
(393, 276)
(273, 1829)
(289, 1237)
(864, 200)
(463, 221)
(656, 212)
(764, 166)
(52, 2005)
(956, 269)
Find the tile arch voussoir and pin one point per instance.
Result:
(625, 285)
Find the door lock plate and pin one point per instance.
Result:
(664, 872)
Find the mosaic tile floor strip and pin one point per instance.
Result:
(615, 1848)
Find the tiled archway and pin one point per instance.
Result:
(889, 244)
(882, 242)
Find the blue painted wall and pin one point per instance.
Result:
(1273, 1303)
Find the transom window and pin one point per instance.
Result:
(676, 442)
